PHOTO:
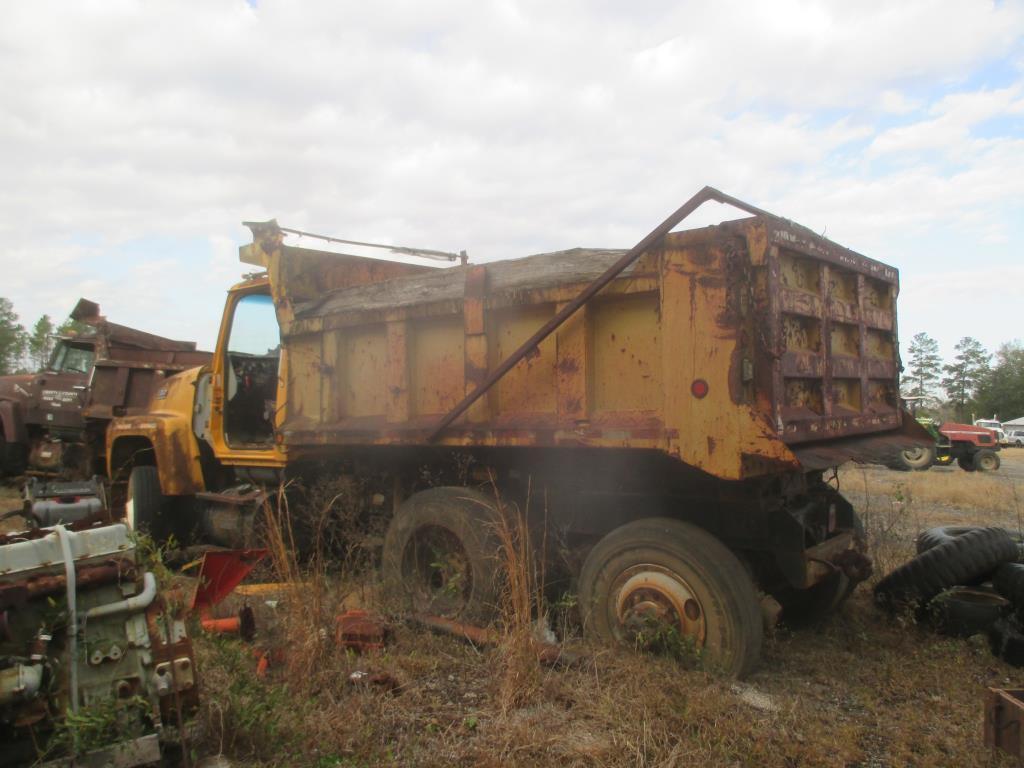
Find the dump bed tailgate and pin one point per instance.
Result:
(831, 331)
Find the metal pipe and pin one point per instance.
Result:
(135, 603)
(706, 194)
(426, 253)
(71, 589)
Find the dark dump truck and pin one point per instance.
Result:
(53, 423)
(668, 414)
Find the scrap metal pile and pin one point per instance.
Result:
(95, 660)
(968, 580)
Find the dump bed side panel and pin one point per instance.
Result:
(382, 363)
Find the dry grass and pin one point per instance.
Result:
(10, 500)
(860, 690)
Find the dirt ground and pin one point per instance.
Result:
(858, 689)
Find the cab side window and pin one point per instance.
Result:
(254, 349)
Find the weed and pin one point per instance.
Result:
(661, 637)
(522, 603)
(105, 722)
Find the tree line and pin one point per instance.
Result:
(23, 350)
(975, 381)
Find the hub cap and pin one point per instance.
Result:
(655, 608)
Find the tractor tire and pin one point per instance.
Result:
(967, 611)
(1008, 581)
(966, 463)
(442, 555)
(664, 584)
(960, 560)
(918, 459)
(145, 503)
(986, 460)
(1007, 641)
(943, 533)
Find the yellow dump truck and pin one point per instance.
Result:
(670, 408)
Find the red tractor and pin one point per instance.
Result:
(973, 448)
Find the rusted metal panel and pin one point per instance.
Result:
(572, 366)
(164, 432)
(437, 379)
(396, 375)
(530, 386)
(1004, 721)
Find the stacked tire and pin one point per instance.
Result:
(967, 580)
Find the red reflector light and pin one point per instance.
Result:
(699, 388)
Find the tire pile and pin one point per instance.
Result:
(968, 580)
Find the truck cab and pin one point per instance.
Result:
(38, 412)
(53, 423)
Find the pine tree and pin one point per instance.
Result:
(925, 365)
(965, 373)
(40, 343)
(1001, 390)
(12, 339)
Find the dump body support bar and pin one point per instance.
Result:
(691, 205)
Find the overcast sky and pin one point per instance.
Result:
(136, 136)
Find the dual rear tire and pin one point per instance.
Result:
(656, 583)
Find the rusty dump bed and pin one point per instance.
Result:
(744, 349)
(128, 364)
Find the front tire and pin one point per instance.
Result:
(145, 504)
(986, 460)
(680, 580)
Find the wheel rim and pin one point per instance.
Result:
(987, 463)
(436, 570)
(655, 609)
(914, 454)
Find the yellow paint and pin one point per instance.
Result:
(530, 386)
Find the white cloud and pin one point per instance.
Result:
(500, 127)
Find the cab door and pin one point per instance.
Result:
(245, 381)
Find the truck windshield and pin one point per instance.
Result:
(71, 359)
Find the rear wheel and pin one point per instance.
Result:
(662, 584)
(986, 461)
(442, 555)
(918, 458)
